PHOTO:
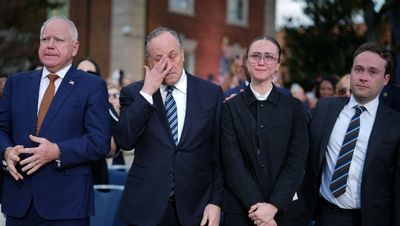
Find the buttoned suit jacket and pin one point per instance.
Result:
(193, 163)
(274, 175)
(77, 121)
(380, 188)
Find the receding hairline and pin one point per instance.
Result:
(72, 28)
(158, 32)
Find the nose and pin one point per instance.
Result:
(364, 76)
(262, 60)
(50, 44)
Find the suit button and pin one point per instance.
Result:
(261, 126)
(171, 173)
(261, 105)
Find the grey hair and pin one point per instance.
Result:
(72, 27)
(158, 31)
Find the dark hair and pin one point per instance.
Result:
(96, 66)
(331, 79)
(378, 49)
(261, 37)
(158, 31)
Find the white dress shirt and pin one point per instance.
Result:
(180, 97)
(351, 198)
(44, 82)
(258, 96)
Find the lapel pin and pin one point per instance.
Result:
(71, 82)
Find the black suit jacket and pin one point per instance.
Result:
(193, 163)
(274, 175)
(380, 188)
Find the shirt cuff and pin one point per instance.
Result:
(148, 97)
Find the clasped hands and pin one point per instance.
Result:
(40, 155)
(263, 214)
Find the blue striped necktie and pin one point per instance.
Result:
(341, 172)
(172, 116)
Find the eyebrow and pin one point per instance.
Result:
(268, 53)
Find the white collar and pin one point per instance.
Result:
(61, 73)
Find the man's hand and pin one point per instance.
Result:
(11, 156)
(155, 75)
(212, 215)
(270, 223)
(44, 153)
(262, 213)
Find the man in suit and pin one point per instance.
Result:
(53, 122)
(355, 149)
(175, 178)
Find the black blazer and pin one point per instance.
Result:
(380, 185)
(194, 163)
(273, 175)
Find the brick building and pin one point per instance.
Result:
(112, 32)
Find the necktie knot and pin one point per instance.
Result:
(359, 109)
(170, 89)
(52, 77)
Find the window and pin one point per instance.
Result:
(185, 7)
(237, 12)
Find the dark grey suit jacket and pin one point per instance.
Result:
(380, 188)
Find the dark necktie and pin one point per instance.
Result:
(46, 101)
(341, 172)
(172, 116)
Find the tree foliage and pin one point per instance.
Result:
(326, 47)
(19, 32)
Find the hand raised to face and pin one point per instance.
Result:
(155, 75)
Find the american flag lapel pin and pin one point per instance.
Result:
(71, 82)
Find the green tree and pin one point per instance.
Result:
(326, 47)
(20, 21)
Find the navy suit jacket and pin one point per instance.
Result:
(193, 163)
(77, 121)
(380, 183)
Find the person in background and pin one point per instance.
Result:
(99, 167)
(172, 119)
(53, 122)
(390, 96)
(264, 146)
(326, 87)
(113, 98)
(353, 170)
(343, 86)
(3, 80)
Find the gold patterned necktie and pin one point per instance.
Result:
(46, 101)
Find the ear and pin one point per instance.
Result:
(183, 54)
(75, 48)
(386, 79)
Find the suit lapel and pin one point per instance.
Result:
(31, 98)
(379, 130)
(333, 112)
(67, 85)
(191, 103)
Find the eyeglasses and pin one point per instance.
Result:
(113, 95)
(256, 58)
(343, 91)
